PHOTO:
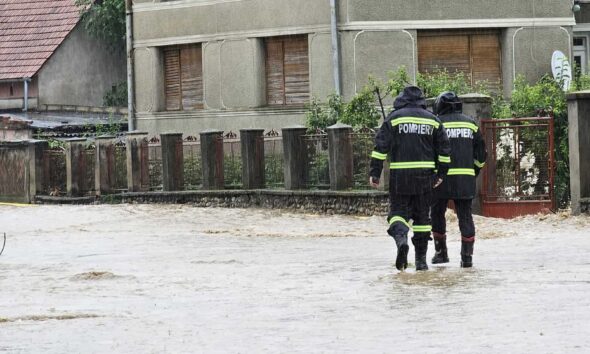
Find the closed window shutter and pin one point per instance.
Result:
(183, 77)
(444, 52)
(476, 54)
(172, 79)
(296, 71)
(191, 74)
(275, 73)
(287, 71)
(486, 60)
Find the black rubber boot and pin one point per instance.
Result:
(401, 261)
(440, 247)
(420, 248)
(467, 252)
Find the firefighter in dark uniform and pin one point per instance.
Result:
(467, 158)
(417, 145)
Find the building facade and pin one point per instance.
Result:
(231, 64)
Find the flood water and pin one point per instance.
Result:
(178, 279)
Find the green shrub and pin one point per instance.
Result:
(116, 96)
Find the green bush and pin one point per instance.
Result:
(543, 97)
(116, 96)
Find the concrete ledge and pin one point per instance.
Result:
(329, 202)
(43, 199)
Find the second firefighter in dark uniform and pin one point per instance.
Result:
(417, 145)
(468, 157)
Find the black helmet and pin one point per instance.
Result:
(447, 102)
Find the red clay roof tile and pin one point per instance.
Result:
(30, 31)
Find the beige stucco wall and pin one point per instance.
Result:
(80, 71)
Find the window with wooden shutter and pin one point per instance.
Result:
(183, 78)
(287, 71)
(476, 54)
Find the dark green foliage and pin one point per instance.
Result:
(192, 171)
(320, 116)
(116, 96)
(274, 173)
(105, 20)
(232, 171)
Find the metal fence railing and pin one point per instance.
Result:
(520, 168)
(273, 160)
(192, 163)
(232, 161)
(317, 171)
(155, 164)
(362, 145)
(120, 184)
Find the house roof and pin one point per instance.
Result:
(30, 31)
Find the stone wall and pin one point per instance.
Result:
(328, 202)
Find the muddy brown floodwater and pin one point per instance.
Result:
(178, 279)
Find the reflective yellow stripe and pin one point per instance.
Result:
(467, 125)
(395, 219)
(479, 164)
(411, 164)
(461, 172)
(422, 228)
(415, 120)
(378, 156)
(444, 159)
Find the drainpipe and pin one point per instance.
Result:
(335, 46)
(130, 83)
(26, 95)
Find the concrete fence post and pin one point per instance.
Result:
(479, 107)
(340, 156)
(172, 162)
(75, 166)
(579, 148)
(295, 156)
(212, 159)
(137, 162)
(104, 168)
(38, 182)
(252, 142)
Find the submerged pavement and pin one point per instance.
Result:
(178, 279)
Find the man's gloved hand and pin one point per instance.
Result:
(374, 182)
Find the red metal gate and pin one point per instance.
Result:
(519, 175)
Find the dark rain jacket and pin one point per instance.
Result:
(468, 156)
(416, 144)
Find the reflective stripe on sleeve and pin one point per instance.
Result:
(379, 156)
(411, 165)
(461, 172)
(467, 125)
(422, 228)
(395, 219)
(415, 120)
(479, 164)
(444, 159)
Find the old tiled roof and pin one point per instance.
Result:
(30, 31)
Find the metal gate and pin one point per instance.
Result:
(519, 175)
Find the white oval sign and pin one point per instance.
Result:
(562, 70)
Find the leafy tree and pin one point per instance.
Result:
(104, 20)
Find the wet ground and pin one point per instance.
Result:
(177, 279)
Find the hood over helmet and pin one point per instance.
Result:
(410, 97)
(447, 102)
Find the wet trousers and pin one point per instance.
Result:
(463, 209)
(415, 207)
